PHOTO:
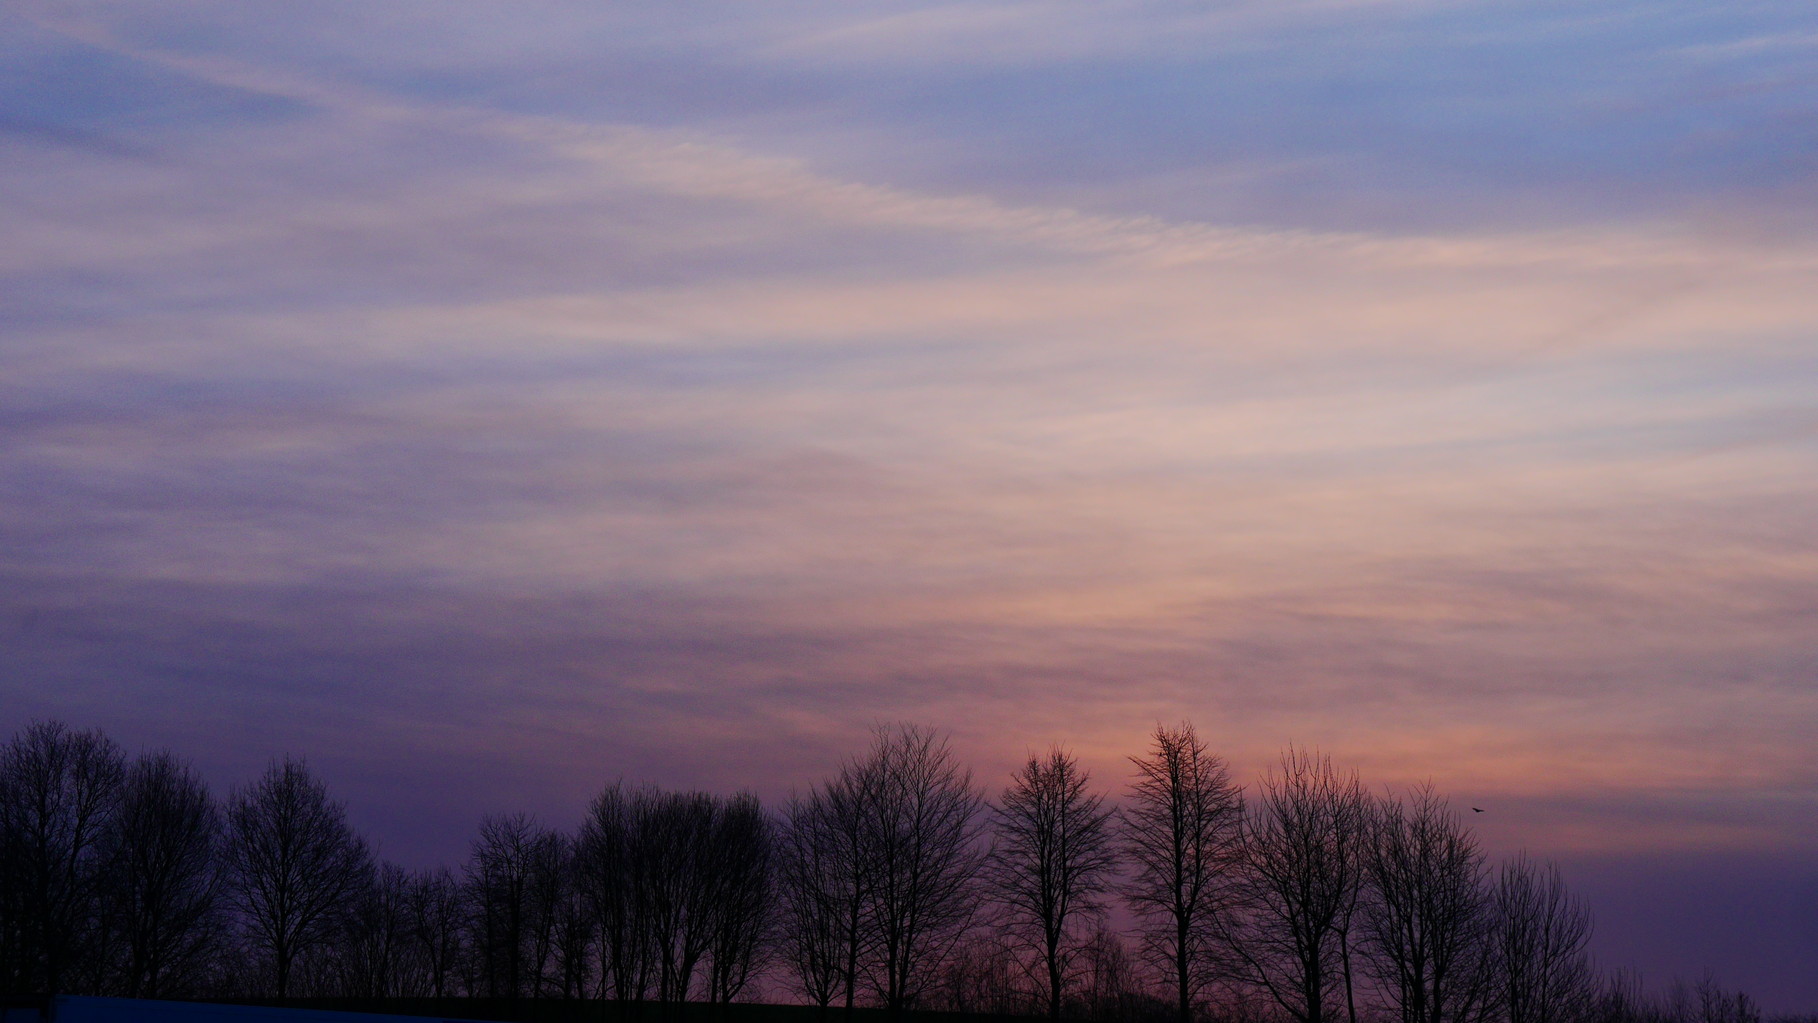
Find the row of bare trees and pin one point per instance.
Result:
(1307, 899)
(897, 883)
(127, 877)
(1317, 902)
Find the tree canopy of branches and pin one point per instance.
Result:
(921, 824)
(741, 876)
(677, 882)
(610, 859)
(438, 920)
(294, 866)
(163, 893)
(1426, 921)
(1052, 864)
(824, 889)
(514, 882)
(377, 957)
(1181, 836)
(58, 794)
(1543, 974)
(1305, 845)
(812, 929)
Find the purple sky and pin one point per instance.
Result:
(490, 401)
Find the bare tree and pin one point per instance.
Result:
(376, 953)
(163, 891)
(1543, 973)
(1305, 845)
(678, 883)
(1426, 923)
(921, 834)
(1181, 835)
(1112, 983)
(1052, 863)
(575, 929)
(1621, 997)
(743, 864)
(58, 793)
(672, 851)
(1708, 1002)
(513, 888)
(610, 864)
(551, 877)
(982, 976)
(845, 807)
(438, 916)
(822, 894)
(294, 865)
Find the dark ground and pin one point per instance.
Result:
(556, 1010)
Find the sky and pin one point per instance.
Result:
(491, 401)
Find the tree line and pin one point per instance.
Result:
(899, 882)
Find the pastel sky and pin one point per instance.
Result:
(488, 401)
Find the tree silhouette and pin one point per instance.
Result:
(823, 889)
(377, 956)
(1543, 974)
(1426, 923)
(1052, 863)
(293, 865)
(59, 790)
(120, 878)
(610, 865)
(163, 890)
(1305, 843)
(1181, 836)
(438, 916)
(513, 884)
(921, 825)
(677, 882)
(742, 886)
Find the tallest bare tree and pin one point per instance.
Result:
(1181, 833)
(293, 864)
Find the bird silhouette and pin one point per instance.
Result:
(1476, 809)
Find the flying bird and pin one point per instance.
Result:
(1476, 809)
